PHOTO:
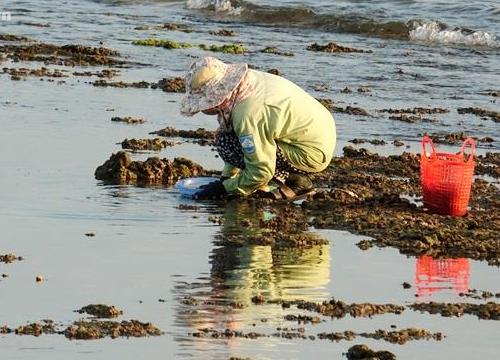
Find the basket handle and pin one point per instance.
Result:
(469, 141)
(428, 141)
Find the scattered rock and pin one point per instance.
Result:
(410, 118)
(67, 55)
(100, 311)
(120, 169)
(479, 294)
(5, 330)
(303, 319)
(39, 279)
(488, 311)
(364, 244)
(175, 85)
(416, 111)
(275, 51)
(96, 329)
(200, 133)
(18, 73)
(90, 234)
(37, 329)
(335, 48)
(398, 143)
(129, 119)
(406, 285)
(166, 26)
(346, 90)
(12, 37)
(122, 84)
(455, 138)
(105, 73)
(350, 110)
(155, 144)
(223, 32)
(371, 141)
(493, 115)
(363, 352)
(339, 309)
(9, 258)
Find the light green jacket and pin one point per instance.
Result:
(278, 113)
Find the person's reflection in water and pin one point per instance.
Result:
(275, 273)
(435, 275)
(239, 273)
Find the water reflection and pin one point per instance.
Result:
(238, 273)
(273, 272)
(435, 275)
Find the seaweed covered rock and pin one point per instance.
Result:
(68, 55)
(155, 144)
(37, 329)
(485, 113)
(488, 311)
(363, 352)
(120, 169)
(332, 47)
(175, 85)
(96, 329)
(100, 311)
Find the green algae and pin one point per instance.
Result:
(226, 49)
(166, 44)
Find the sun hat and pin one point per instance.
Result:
(209, 82)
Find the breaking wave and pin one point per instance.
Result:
(305, 17)
(435, 32)
(229, 6)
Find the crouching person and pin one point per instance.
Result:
(271, 133)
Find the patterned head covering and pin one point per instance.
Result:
(209, 82)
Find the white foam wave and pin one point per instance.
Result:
(216, 5)
(438, 33)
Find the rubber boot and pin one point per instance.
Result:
(299, 183)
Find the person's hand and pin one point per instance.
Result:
(213, 190)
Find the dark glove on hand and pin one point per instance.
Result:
(214, 190)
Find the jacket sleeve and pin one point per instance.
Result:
(259, 150)
(229, 170)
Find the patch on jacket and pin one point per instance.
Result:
(247, 144)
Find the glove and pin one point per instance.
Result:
(214, 190)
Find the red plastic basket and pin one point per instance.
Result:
(446, 179)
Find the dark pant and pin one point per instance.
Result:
(229, 149)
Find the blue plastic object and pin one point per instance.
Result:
(188, 187)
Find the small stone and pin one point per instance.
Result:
(406, 285)
(39, 279)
